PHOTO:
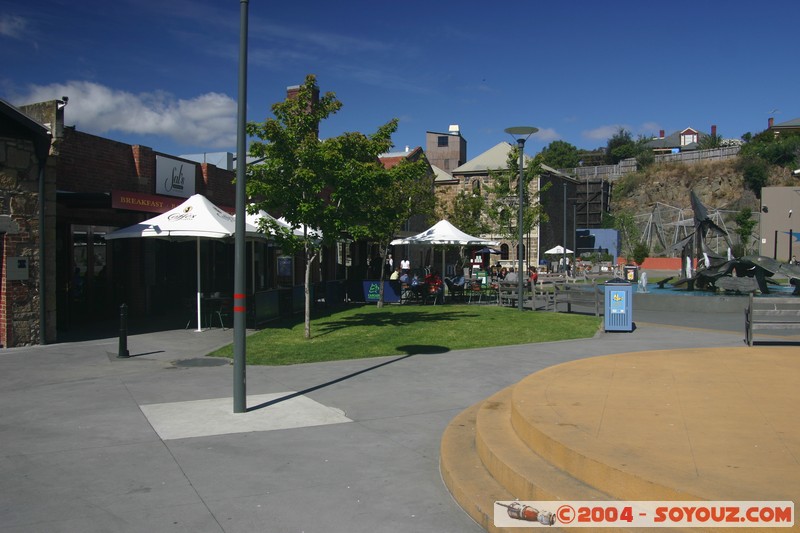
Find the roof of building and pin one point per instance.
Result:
(391, 159)
(496, 158)
(492, 159)
(794, 123)
(673, 140)
(16, 122)
(441, 175)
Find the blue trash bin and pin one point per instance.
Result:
(619, 306)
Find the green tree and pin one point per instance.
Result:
(755, 172)
(629, 233)
(312, 181)
(466, 213)
(503, 204)
(620, 146)
(560, 154)
(745, 224)
(404, 190)
(708, 142)
(640, 253)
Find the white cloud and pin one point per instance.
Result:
(603, 132)
(207, 120)
(12, 26)
(546, 135)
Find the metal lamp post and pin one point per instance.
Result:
(521, 134)
(564, 243)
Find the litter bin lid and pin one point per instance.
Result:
(617, 281)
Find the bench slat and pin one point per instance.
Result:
(771, 313)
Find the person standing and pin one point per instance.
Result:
(405, 265)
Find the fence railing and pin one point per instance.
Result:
(699, 155)
(626, 166)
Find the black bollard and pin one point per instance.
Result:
(123, 331)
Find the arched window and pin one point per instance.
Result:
(504, 251)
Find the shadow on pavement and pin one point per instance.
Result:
(411, 350)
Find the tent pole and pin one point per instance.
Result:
(199, 293)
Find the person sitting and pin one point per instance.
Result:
(533, 276)
(511, 277)
(434, 284)
(396, 274)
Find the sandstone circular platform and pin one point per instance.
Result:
(693, 424)
(714, 424)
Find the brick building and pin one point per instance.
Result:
(90, 186)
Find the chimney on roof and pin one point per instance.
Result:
(454, 129)
(770, 122)
(293, 90)
(660, 134)
(713, 130)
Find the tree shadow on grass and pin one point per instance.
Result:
(410, 350)
(389, 318)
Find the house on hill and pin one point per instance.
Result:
(683, 140)
(790, 126)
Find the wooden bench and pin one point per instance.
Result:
(508, 293)
(588, 295)
(770, 313)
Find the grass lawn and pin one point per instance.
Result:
(366, 331)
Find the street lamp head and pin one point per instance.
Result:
(521, 133)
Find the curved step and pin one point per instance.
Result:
(524, 473)
(563, 429)
(470, 484)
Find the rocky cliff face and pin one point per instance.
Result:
(718, 184)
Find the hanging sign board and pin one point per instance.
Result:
(174, 177)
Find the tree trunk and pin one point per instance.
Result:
(307, 293)
(383, 275)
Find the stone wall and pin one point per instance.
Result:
(19, 199)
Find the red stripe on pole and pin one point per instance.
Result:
(239, 296)
(238, 309)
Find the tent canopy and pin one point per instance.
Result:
(254, 219)
(196, 218)
(558, 250)
(443, 232)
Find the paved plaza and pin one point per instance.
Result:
(93, 443)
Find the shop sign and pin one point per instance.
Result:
(174, 177)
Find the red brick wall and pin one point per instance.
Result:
(88, 163)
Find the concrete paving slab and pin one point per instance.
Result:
(203, 418)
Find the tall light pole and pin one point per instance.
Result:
(564, 244)
(521, 134)
(240, 268)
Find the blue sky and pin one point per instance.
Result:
(164, 74)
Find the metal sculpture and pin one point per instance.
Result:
(714, 272)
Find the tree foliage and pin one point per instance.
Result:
(503, 204)
(560, 154)
(620, 146)
(467, 213)
(325, 187)
(745, 224)
(629, 233)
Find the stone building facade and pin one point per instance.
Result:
(474, 177)
(27, 306)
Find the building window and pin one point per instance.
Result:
(688, 138)
(476, 188)
(443, 140)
